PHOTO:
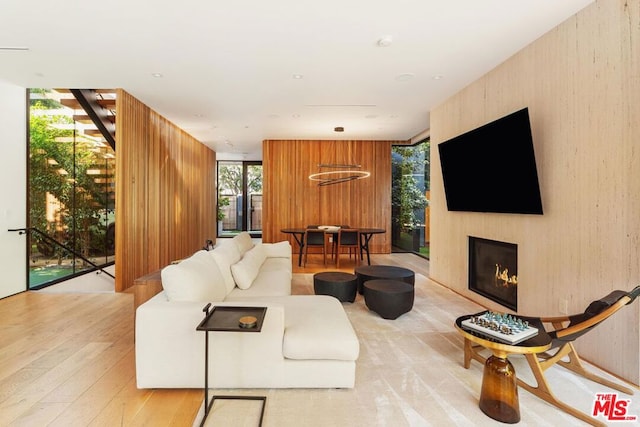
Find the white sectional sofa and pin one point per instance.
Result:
(306, 341)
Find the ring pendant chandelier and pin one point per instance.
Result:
(343, 173)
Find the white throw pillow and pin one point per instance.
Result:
(243, 242)
(196, 278)
(225, 258)
(246, 270)
(231, 248)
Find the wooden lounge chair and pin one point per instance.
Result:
(563, 331)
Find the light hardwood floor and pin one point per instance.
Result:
(68, 360)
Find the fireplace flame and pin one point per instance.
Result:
(503, 278)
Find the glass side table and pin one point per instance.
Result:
(499, 392)
(228, 319)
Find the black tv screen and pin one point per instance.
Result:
(492, 168)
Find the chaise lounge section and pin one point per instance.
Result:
(306, 341)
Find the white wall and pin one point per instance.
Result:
(13, 199)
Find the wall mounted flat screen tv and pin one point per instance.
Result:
(492, 168)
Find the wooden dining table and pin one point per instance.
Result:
(366, 233)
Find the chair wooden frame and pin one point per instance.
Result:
(563, 333)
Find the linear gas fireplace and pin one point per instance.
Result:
(493, 270)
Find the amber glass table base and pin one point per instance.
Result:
(499, 395)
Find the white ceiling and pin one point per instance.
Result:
(228, 67)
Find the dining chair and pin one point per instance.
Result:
(333, 239)
(315, 238)
(348, 238)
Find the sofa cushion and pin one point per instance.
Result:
(224, 259)
(282, 265)
(266, 284)
(278, 250)
(232, 249)
(243, 242)
(246, 270)
(196, 278)
(317, 327)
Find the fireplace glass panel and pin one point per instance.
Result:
(493, 270)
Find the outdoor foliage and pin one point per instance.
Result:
(230, 179)
(59, 163)
(222, 202)
(230, 182)
(408, 198)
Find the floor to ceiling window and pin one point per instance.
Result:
(239, 198)
(71, 199)
(410, 198)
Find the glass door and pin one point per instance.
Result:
(410, 198)
(71, 189)
(239, 198)
(253, 178)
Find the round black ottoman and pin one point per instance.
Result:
(337, 284)
(388, 298)
(372, 272)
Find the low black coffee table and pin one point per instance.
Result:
(388, 298)
(337, 284)
(371, 272)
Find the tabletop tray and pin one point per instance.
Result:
(226, 318)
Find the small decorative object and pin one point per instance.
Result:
(504, 327)
(248, 322)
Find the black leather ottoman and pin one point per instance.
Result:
(337, 284)
(388, 298)
(392, 272)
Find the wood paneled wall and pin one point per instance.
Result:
(581, 84)
(165, 192)
(292, 200)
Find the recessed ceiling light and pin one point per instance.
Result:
(438, 77)
(157, 75)
(298, 76)
(385, 41)
(404, 77)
